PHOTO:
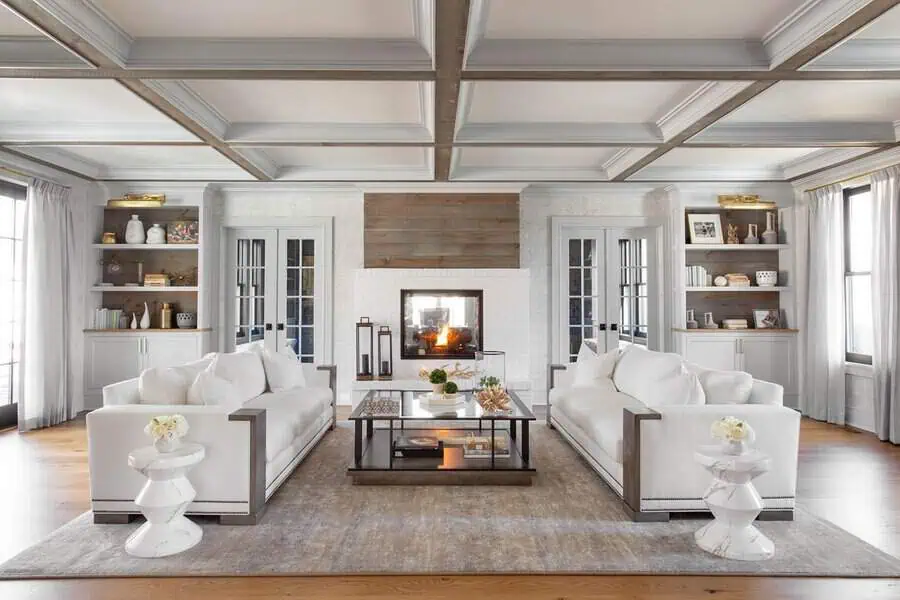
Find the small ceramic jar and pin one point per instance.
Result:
(767, 278)
(156, 234)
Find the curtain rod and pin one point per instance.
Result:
(9, 171)
(846, 179)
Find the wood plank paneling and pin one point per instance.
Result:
(446, 231)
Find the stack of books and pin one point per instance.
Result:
(156, 280)
(696, 276)
(107, 318)
(737, 280)
(734, 324)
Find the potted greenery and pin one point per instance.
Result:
(488, 381)
(450, 389)
(438, 379)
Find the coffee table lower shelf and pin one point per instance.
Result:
(376, 467)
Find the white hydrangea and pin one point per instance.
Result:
(730, 429)
(167, 427)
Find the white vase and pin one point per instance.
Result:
(134, 321)
(752, 238)
(134, 231)
(733, 447)
(770, 235)
(145, 319)
(437, 389)
(167, 444)
(156, 234)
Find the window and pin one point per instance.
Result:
(858, 273)
(12, 230)
(633, 276)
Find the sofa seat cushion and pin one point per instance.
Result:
(657, 378)
(288, 413)
(598, 413)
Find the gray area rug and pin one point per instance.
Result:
(568, 522)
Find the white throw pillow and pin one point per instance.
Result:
(657, 378)
(283, 370)
(243, 369)
(592, 369)
(723, 387)
(210, 390)
(163, 386)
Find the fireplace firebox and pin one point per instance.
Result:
(441, 324)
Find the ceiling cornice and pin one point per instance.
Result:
(51, 133)
(36, 53)
(795, 134)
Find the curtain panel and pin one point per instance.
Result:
(46, 370)
(824, 387)
(886, 302)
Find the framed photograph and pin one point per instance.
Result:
(705, 228)
(767, 318)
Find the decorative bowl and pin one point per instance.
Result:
(186, 320)
(767, 278)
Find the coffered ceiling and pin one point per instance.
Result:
(469, 90)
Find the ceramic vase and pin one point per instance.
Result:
(752, 233)
(134, 231)
(733, 447)
(437, 389)
(156, 234)
(770, 235)
(145, 319)
(167, 444)
(134, 321)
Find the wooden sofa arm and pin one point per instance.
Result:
(551, 383)
(631, 463)
(256, 417)
(332, 383)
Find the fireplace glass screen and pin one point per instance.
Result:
(441, 323)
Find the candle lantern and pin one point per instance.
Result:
(385, 352)
(365, 348)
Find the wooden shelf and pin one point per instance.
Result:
(146, 246)
(153, 330)
(736, 247)
(738, 290)
(141, 288)
(721, 330)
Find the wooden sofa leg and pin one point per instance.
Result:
(776, 515)
(639, 516)
(109, 518)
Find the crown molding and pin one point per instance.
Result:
(91, 24)
(20, 162)
(437, 187)
(820, 160)
(251, 134)
(188, 102)
(260, 160)
(36, 53)
(478, 15)
(701, 102)
(62, 159)
(860, 54)
(793, 134)
(646, 55)
(528, 174)
(687, 174)
(425, 91)
(51, 133)
(560, 133)
(423, 25)
(805, 25)
(624, 159)
(299, 173)
(278, 53)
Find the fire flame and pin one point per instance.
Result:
(443, 337)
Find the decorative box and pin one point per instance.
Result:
(183, 232)
(418, 447)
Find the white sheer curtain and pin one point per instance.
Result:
(824, 386)
(886, 302)
(47, 374)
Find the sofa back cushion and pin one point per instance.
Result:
(169, 385)
(211, 390)
(723, 387)
(657, 378)
(283, 370)
(591, 368)
(244, 370)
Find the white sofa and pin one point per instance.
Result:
(251, 447)
(642, 442)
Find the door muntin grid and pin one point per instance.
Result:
(12, 252)
(634, 272)
(584, 292)
(300, 302)
(250, 291)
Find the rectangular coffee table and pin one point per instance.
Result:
(467, 456)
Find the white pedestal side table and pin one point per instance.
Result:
(735, 504)
(163, 500)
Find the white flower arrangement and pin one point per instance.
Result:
(167, 427)
(731, 429)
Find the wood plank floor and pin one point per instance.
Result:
(847, 477)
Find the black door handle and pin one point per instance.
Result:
(268, 327)
(280, 327)
(614, 327)
(601, 327)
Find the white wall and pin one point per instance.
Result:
(506, 310)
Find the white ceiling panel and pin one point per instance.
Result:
(823, 101)
(647, 19)
(728, 158)
(885, 27)
(574, 102)
(535, 158)
(313, 101)
(263, 18)
(12, 24)
(348, 157)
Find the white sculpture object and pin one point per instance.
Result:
(145, 319)
(156, 234)
(134, 231)
(134, 321)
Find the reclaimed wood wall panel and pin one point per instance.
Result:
(445, 231)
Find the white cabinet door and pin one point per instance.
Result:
(770, 358)
(712, 350)
(111, 359)
(170, 350)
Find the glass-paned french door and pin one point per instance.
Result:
(279, 285)
(12, 233)
(605, 289)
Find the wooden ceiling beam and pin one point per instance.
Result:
(451, 24)
(805, 55)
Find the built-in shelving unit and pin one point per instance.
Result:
(736, 247)
(146, 289)
(738, 290)
(147, 247)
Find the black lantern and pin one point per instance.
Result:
(385, 352)
(365, 349)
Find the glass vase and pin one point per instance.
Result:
(490, 369)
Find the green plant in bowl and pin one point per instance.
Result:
(488, 381)
(450, 388)
(437, 376)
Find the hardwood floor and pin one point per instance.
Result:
(847, 477)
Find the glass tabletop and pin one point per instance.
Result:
(418, 404)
